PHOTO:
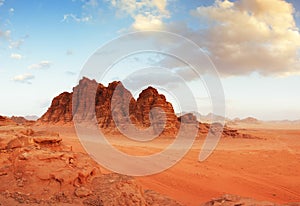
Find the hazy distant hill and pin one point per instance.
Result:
(31, 117)
(207, 118)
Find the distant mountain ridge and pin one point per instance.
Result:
(31, 117)
(208, 118)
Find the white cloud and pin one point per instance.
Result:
(23, 78)
(11, 11)
(15, 44)
(148, 22)
(90, 11)
(247, 35)
(2, 2)
(16, 56)
(5, 34)
(68, 17)
(147, 15)
(70, 73)
(90, 3)
(40, 65)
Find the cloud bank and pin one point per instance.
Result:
(250, 35)
(147, 15)
(240, 37)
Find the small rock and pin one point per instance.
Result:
(49, 140)
(82, 192)
(24, 156)
(28, 132)
(3, 173)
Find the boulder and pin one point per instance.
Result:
(82, 192)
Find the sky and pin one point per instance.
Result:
(253, 44)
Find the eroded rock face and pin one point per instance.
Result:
(60, 110)
(112, 103)
(152, 107)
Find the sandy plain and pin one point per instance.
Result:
(265, 168)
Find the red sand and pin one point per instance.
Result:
(263, 169)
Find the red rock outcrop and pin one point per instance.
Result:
(4, 121)
(22, 121)
(188, 118)
(153, 108)
(60, 110)
(113, 105)
(114, 108)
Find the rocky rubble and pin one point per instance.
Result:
(36, 168)
(234, 200)
(114, 189)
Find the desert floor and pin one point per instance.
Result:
(264, 169)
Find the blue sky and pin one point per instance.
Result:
(254, 44)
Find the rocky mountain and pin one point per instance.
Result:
(114, 104)
(115, 108)
(60, 110)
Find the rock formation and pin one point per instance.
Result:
(114, 108)
(4, 121)
(114, 104)
(60, 110)
(153, 108)
(22, 121)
